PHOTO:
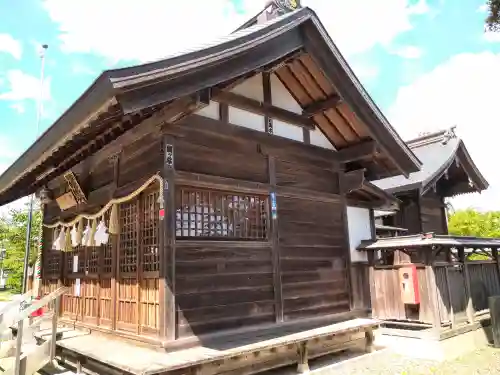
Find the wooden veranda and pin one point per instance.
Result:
(455, 276)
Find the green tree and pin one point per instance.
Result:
(493, 18)
(13, 239)
(476, 224)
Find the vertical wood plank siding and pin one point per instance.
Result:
(222, 281)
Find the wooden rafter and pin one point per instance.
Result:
(260, 108)
(359, 151)
(321, 105)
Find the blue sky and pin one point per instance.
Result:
(427, 64)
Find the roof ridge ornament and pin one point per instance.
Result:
(277, 8)
(449, 134)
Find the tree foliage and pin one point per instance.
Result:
(493, 18)
(13, 239)
(474, 223)
(477, 224)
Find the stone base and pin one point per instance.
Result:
(438, 350)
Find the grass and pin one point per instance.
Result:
(6, 295)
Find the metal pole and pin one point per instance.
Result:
(30, 212)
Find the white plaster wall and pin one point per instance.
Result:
(251, 88)
(210, 111)
(247, 119)
(280, 96)
(319, 139)
(358, 220)
(285, 130)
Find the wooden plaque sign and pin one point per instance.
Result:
(66, 201)
(75, 188)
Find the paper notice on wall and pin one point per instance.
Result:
(77, 288)
(75, 263)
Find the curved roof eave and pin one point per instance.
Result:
(93, 101)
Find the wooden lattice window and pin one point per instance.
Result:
(128, 237)
(220, 215)
(52, 265)
(93, 259)
(149, 231)
(107, 254)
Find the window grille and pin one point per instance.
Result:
(150, 231)
(220, 215)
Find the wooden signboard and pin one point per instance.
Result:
(66, 201)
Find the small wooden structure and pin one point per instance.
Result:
(453, 288)
(447, 171)
(210, 198)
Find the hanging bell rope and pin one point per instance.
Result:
(110, 204)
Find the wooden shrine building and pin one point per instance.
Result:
(447, 171)
(220, 192)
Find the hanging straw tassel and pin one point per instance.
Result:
(55, 238)
(92, 233)
(113, 220)
(67, 245)
(79, 231)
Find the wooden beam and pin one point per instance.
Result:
(359, 151)
(321, 105)
(263, 109)
(354, 180)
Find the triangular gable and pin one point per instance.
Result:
(295, 47)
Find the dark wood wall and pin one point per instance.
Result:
(299, 269)
(285, 268)
(421, 213)
(433, 213)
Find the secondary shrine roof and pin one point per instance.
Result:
(438, 152)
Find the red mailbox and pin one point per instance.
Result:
(408, 281)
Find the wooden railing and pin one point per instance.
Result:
(28, 362)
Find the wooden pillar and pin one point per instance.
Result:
(345, 242)
(470, 308)
(448, 288)
(167, 242)
(494, 254)
(267, 96)
(373, 230)
(432, 288)
(278, 289)
(115, 247)
(371, 279)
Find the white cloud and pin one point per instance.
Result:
(10, 45)
(358, 25)
(492, 36)
(151, 29)
(409, 52)
(23, 86)
(143, 30)
(18, 107)
(462, 92)
(482, 8)
(365, 71)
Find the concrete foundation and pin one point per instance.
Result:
(437, 349)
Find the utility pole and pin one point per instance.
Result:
(32, 197)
